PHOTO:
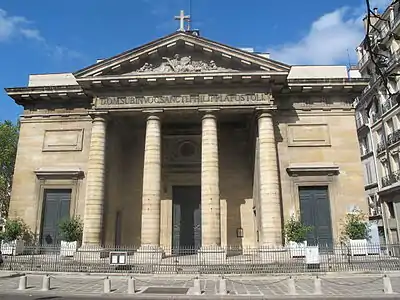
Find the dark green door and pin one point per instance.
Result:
(186, 219)
(315, 212)
(56, 205)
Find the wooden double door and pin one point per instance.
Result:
(186, 219)
(56, 208)
(316, 212)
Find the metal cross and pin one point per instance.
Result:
(182, 18)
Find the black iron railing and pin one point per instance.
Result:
(380, 147)
(228, 260)
(393, 137)
(391, 178)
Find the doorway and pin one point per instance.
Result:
(56, 207)
(315, 212)
(186, 219)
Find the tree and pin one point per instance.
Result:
(9, 134)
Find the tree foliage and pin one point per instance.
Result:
(295, 230)
(356, 226)
(71, 229)
(9, 134)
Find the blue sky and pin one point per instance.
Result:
(45, 36)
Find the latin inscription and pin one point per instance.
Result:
(183, 100)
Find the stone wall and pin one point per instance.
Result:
(321, 137)
(52, 144)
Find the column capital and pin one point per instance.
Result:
(264, 113)
(98, 116)
(208, 113)
(153, 114)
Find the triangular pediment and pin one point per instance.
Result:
(182, 52)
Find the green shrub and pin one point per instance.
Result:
(71, 230)
(356, 226)
(16, 229)
(295, 230)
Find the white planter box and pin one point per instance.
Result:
(297, 249)
(68, 248)
(358, 247)
(312, 255)
(12, 248)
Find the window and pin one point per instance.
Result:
(369, 175)
(390, 207)
(396, 162)
(389, 126)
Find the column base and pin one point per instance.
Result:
(212, 255)
(269, 253)
(148, 254)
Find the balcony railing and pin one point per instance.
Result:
(393, 137)
(391, 178)
(389, 104)
(380, 147)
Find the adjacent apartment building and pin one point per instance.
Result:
(378, 123)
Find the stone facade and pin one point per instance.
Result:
(122, 134)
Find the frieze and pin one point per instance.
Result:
(198, 100)
(181, 64)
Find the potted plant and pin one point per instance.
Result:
(71, 231)
(15, 235)
(356, 232)
(296, 233)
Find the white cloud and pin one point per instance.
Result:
(329, 41)
(12, 27)
(332, 38)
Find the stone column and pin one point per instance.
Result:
(270, 202)
(151, 195)
(94, 201)
(210, 201)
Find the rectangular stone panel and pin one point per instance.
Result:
(306, 135)
(63, 140)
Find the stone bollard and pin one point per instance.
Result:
(291, 286)
(107, 285)
(317, 286)
(46, 283)
(131, 285)
(23, 280)
(387, 285)
(196, 287)
(222, 286)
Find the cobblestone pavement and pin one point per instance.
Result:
(356, 285)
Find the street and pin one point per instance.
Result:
(27, 296)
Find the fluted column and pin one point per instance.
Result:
(151, 183)
(210, 201)
(270, 202)
(94, 201)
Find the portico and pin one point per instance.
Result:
(186, 143)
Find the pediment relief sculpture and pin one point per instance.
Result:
(182, 64)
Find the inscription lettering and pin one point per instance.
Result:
(183, 100)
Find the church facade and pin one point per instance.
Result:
(188, 143)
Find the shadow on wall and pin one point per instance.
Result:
(236, 184)
(124, 190)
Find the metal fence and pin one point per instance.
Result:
(340, 258)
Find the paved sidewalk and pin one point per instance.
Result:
(351, 285)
